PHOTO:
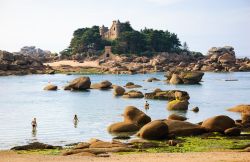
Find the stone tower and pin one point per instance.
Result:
(113, 32)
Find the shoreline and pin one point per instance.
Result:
(145, 157)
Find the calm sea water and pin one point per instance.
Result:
(23, 97)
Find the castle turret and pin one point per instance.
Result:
(113, 32)
(117, 25)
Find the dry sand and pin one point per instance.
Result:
(74, 63)
(9, 156)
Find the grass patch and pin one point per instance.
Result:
(199, 144)
(216, 142)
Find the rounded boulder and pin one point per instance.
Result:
(81, 83)
(177, 117)
(122, 127)
(134, 115)
(178, 105)
(118, 91)
(218, 123)
(155, 130)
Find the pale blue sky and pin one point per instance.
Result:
(49, 24)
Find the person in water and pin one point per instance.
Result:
(146, 106)
(34, 124)
(75, 121)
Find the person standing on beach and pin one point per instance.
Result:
(75, 120)
(34, 124)
(146, 106)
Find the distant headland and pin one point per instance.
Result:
(121, 50)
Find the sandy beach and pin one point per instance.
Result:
(74, 63)
(9, 156)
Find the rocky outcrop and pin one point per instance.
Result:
(184, 77)
(81, 83)
(218, 123)
(154, 130)
(133, 94)
(168, 95)
(222, 55)
(221, 59)
(11, 64)
(102, 85)
(50, 87)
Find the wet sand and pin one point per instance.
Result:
(9, 156)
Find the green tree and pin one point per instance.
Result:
(85, 39)
(125, 27)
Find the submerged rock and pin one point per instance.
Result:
(152, 79)
(132, 85)
(50, 87)
(102, 85)
(133, 94)
(81, 83)
(195, 109)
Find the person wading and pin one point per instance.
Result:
(146, 106)
(34, 124)
(75, 120)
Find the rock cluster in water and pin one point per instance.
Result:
(173, 126)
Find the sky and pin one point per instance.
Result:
(49, 24)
